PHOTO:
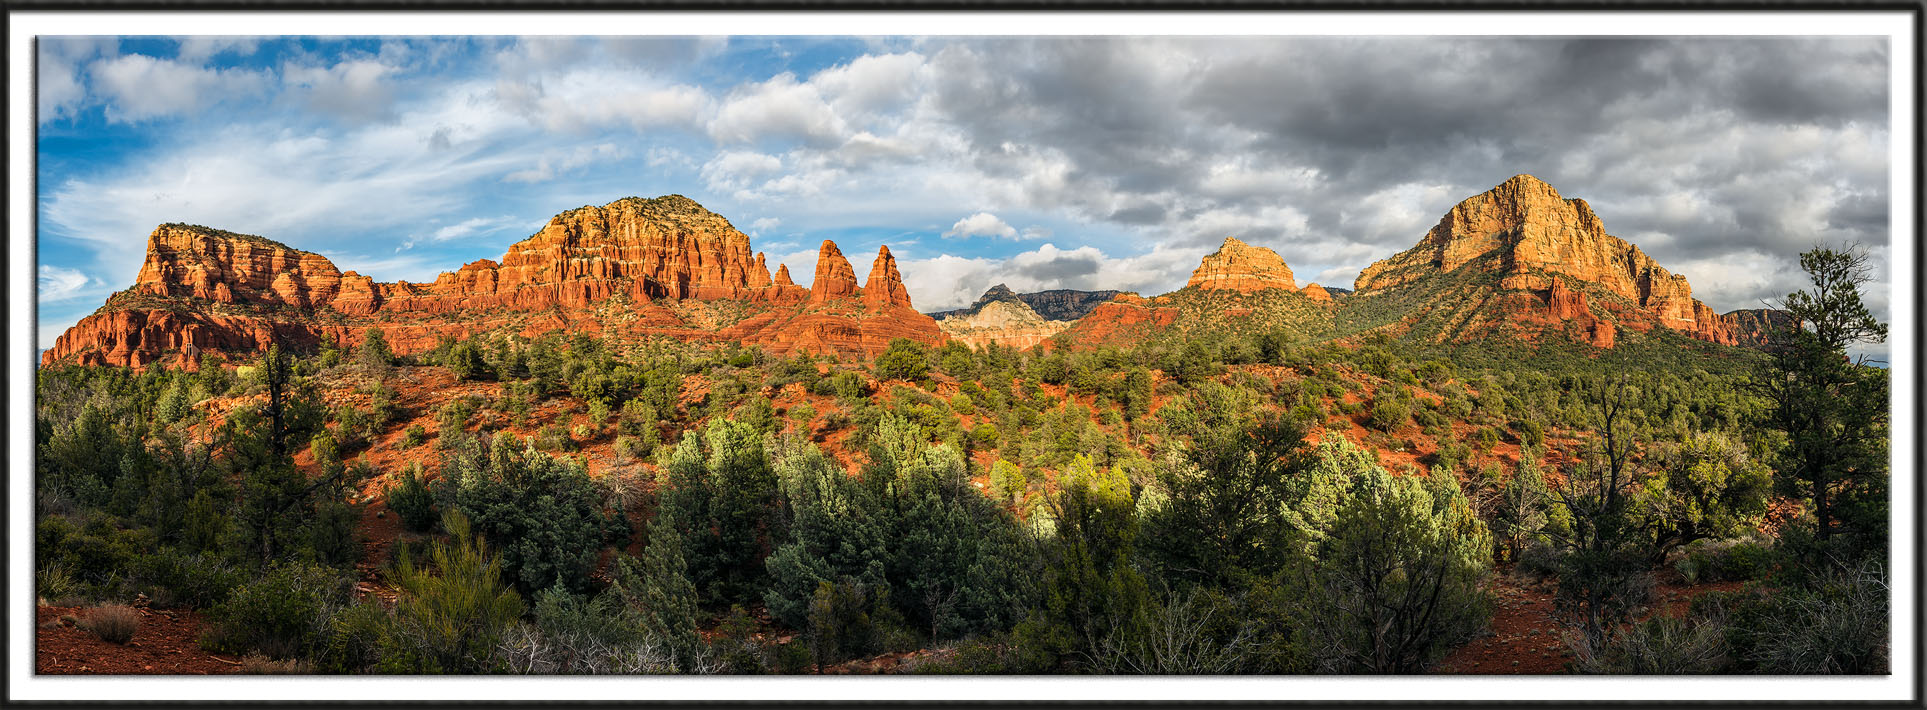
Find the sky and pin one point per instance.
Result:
(1053, 162)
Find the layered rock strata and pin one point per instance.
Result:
(220, 291)
(1524, 231)
(1238, 266)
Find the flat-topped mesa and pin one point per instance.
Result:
(1523, 228)
(226, 267)
(885, 288)
(1238, 266)
(835, 278)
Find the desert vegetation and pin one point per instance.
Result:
(1250, 500)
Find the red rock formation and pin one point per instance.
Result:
(217, 291)
(211, 264)
(1565, 304)
(1238, 266)
(834, 276)
(1522, 228)
(1317, 293)
(885, 285)
(1127, 318)
(1756, 326)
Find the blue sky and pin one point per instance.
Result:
(1041, 163)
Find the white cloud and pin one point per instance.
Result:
(764, 224)
(194, 50)
(737, 169)
(778, 108)
(58, 284)
(59, 83)
(554, 163)
(873, 83)
(141, 87)
(356, 89)
(981, 224)
(304, 188)
(578, 101)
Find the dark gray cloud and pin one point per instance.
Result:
(1694, 148)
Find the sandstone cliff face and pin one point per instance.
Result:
(1754, 326)
(834, 276)
(1523, 228)
(885, 288)
(207, 290)
(1005, 322)
(1317, 293)
(1567, 305)
(1238, 266)
(211, 264)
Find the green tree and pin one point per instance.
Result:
(1833, 409)
(1708, 488)
(374, 356)
(904, 359)
(547, 513)
(1397, 580)
(1227, 490)
(719, 490)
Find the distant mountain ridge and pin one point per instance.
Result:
(1061, 304)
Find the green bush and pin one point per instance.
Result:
(195, 580)
(411, 500)
(281, 615)
(1724, 561)
(1662, 645)
(451, 615)
(414, 436)
(546, 513)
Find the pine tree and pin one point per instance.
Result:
(1833, 409)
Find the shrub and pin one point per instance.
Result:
(413, 437)
(1662, 645)
(411, 500)
(1726, 560)
(282, 614)
(839, 622)
(630, 448)
(199, 581)
(450, 622)
(1389, 413)
(257, 664)
(1838, 625)
(51, 582)
(113, 623)
(802, 414)
(554, 437)
(1398, 573)
(904, 359)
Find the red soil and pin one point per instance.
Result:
(168, 642)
